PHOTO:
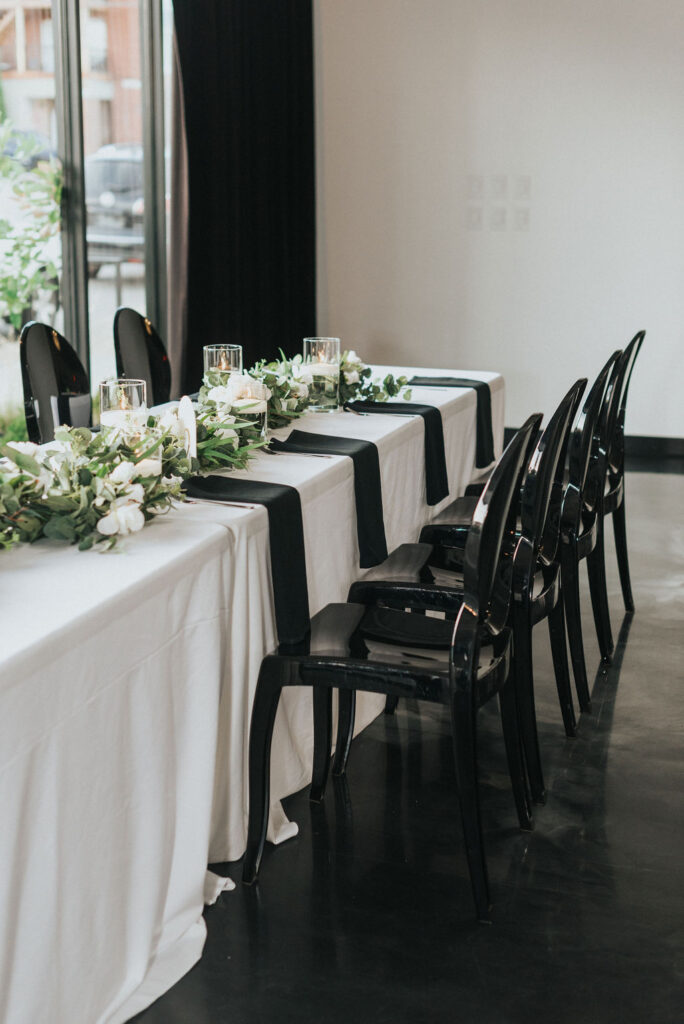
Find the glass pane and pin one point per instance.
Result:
(114, 181)
(30, 185)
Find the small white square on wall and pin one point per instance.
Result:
(475, 187)
(497, 218)
(522, 187)
(474, 218)
(498, 186)
(521, 218)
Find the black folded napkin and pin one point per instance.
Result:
(370, 524)
(436, 480)
(484, 449)
(286, 535)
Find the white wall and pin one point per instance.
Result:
(420, 103)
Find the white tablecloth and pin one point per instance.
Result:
(125, 692)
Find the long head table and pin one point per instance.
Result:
(126, 683)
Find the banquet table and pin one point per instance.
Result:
(126, 683)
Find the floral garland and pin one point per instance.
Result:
(91, 488)
(357, 384)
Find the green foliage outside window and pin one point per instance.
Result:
(31, 189)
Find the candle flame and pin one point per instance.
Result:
(223, 361)
(123, 401)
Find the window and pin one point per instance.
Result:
(48, 90)
(30, 180)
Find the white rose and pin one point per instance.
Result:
(123, 517)
(25, 447)
(351, 376)
(169, 421)
(220, 395)
(123, 473)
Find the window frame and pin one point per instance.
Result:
(66, 15)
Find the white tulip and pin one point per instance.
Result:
(188, 420)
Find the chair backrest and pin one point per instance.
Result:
(584, 443)
(542, 491)
(616, 444)
(492, 533)
(607, 428)
(141, 354)
(56, 386)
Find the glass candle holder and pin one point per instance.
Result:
(253, 407)
(219, 362)
(147, 464)
(123, 405)
(322, 357)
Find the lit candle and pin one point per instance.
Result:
(321, 369)
(117, 411)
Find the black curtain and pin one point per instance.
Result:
(248, 92)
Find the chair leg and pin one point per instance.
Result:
(260, 737)
(322, 712)
(516, 764)
(524, 690)
(559, 650)
(571, 604)
(596, 567)
(465, 755)
(620, 531)
(345, 729)
(391, 704)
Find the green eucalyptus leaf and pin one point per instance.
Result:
(20, 459)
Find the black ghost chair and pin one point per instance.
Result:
(55, 383)
(582, 516)
(536, 578)
(141, 354)
(613, 502)
(461, 664)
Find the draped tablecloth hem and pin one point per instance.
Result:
(167, 967)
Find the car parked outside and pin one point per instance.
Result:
(114, 202)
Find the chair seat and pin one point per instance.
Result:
(412, 571)
(360, 643)
(450, 528)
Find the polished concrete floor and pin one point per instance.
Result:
(366, 916)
